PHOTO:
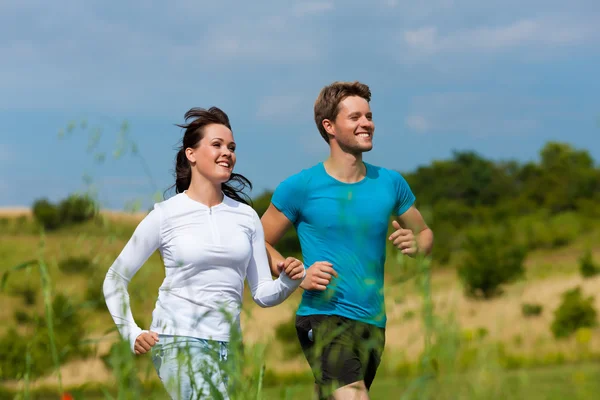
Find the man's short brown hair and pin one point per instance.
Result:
(328, 101)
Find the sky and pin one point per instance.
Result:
(501, 78)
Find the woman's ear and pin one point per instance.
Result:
(189, 153)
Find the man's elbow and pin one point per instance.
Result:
(426, 240)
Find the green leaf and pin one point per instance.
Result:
(19, 267)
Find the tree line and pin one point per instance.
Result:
(468, 191)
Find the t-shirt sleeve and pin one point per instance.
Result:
(404, 195)
(289, 196)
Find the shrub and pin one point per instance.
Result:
(74, 209)
(587, 267)
(531, 310)
(94, 294)
(123, 364)
(22, 317)
(46, 214)
(408, 315)
(492, 259)
(74, 265)
(286, 334)
(32, 352)
(77, 209)
(573, 313)
(27, 290)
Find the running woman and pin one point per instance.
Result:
(210, 240)
(341, 209)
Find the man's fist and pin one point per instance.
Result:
(404, 240)
(145, 341)
(318, 276)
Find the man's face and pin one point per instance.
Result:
(353, 127)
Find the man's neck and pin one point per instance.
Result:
(345, 167)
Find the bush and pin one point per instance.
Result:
(531, 310)
(94, 294)
(73, 265)
(574, 312)
(123, 364)
(27, 290)
(77, 208)
(492, 260)
(286, 334)
(74, 209)
(544, 231)
(22, 317)
(46, 214)
(32, 352)
(587, 267)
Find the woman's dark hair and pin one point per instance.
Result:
(194, 131)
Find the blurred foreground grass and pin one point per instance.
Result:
(574, 382)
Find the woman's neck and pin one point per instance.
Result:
(205, 192)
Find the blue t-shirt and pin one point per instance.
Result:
(345, 224)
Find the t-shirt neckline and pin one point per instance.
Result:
(202, 205)
(364, 179)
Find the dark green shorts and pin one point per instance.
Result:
(339, 350)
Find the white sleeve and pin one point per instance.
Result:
(139, 248)
(266, 292)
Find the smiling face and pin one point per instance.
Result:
(214, 156)
(353, 127)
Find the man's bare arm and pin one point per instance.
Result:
(275, 225)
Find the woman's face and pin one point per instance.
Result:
(214, 156)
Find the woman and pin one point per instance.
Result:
(210, 240)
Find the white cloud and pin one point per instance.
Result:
(477, 114)
(129, 181)
(283, 107)
(314, 145)
(312, 7)
(417, 123)
(536, 32)
(93, 56)
(6, 154)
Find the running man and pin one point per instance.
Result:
(341, 209)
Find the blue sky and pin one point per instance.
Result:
(498, 77)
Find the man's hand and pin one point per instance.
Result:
(318, 276)
(404, 240)
(292, 267)
(145, 341)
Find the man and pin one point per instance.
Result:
(341, 209)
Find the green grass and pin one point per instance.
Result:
(564, 382)
(406, 288)
(571, 382)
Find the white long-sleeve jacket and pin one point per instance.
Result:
(207, 253)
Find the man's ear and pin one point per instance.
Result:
(329, 127)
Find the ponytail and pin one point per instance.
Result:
(183, 172)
